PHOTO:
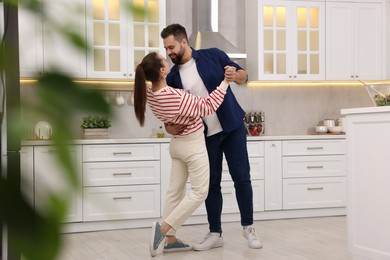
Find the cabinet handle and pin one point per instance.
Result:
(122, 198)
(356, 76)
(352, 76)
(315, 188)
(121, 153)
(315, 167)
(229, 193)
(315, 148)
(122, 173)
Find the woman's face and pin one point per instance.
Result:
(165, 67)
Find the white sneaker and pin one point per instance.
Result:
(249, 233)
(212, 240)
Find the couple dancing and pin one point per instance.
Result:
(204, 125)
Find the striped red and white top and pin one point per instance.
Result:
(171, 105)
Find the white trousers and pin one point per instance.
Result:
(189, 160)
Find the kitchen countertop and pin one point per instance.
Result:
(167, 139)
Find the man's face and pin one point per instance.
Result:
(175, 50)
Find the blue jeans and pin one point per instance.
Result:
(233, 145)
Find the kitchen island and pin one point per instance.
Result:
(368, 211)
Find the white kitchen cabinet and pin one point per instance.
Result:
(50, 177)
(121, 181)
(27, 172)
(287, 39)
(42, 48)
(120, 38)
(354, 47)
(314, 174)
(273, 175)
(368, 213)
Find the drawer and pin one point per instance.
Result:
(121, 173)
(121, 202)
(229, 198)
(255, 148)
(256, 166)
(314, 193)
(314, 166)
(314, 147)
(121, 152)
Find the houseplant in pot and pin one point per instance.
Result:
(95, 126)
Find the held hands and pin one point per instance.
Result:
(230, 73)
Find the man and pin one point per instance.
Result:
(200, 72)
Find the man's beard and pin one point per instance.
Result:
(178, 57)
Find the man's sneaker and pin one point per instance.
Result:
(249, 233)
(177, 247)
(212, 240)
(156, 238)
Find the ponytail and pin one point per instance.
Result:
(140, 94)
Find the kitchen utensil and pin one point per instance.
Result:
(335, 129)
(130, 100)
(321, 129)
(329, 122)
(43, 130)
(119, 99)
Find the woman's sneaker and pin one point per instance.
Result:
(249, 233)
(212, 240)
(178, 246)
(156, 238)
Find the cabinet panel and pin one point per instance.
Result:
(273, 175)
(314, 193)
(51, 178)
(314, 166)
(124, 152)
(256, 166)
(121, 202)
(121, 173)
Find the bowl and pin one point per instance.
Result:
(321, 129)
(336, 129)
(379, 94)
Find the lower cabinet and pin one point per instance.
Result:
(125, 184)
(121, 181)
(50, 178)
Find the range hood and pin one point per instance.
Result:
(205, 30)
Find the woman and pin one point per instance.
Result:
(187, 150)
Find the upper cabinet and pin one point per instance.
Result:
(42, 42)
(120, 38)
(354, 34)
(288, 39)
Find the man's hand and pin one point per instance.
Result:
(174, 129)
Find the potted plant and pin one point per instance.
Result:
(95, 126)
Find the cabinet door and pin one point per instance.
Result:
(30, 43)
(58, 52)
(368, 41)
(291, 40)
(51, 178)
(273, 175)
(339, 41)
(27, 172)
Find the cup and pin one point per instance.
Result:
(119, 99)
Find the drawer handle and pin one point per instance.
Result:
(122, 173)
(123, 198)
(229, 193)
(315, 167)
(121, 153)
(315, 148)
(315, 188)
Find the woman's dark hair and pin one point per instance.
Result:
(148, 69)
(178, 32)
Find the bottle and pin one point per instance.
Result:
(160, 132)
